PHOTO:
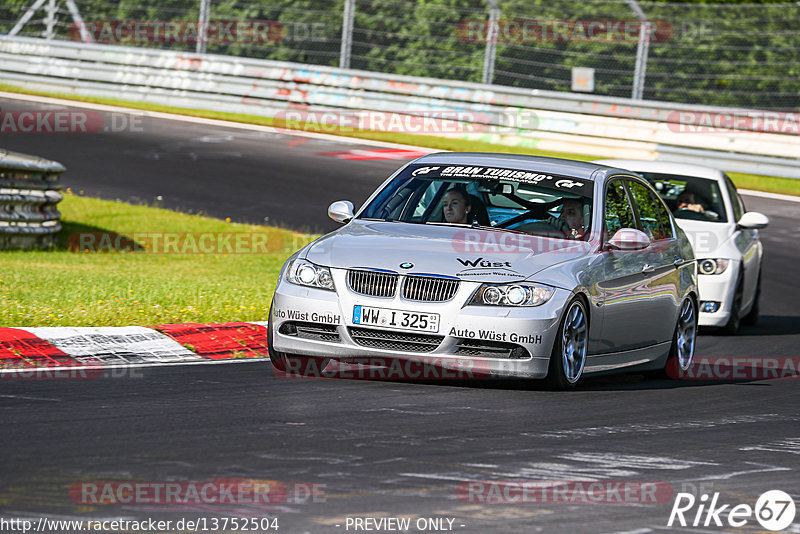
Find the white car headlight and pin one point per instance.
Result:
(712, 266)
(305, 273)
(522, 294)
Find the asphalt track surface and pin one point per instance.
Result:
(383, 448)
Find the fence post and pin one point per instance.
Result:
(202, 26)
(50, 20)
(491, 42)
(642, 50)
(347, 33)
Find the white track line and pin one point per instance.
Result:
(773, 196)
(65, 368)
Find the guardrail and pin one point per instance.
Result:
(750, 141)
(29, 192)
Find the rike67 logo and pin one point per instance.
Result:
(774, 510)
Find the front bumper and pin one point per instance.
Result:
(532, 328)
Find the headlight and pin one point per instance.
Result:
(716, 266)
(512, 295)
(305, 273)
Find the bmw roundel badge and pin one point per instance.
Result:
(406, 265)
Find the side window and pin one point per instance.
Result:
(736, 201)
(618, 212)
(663, 214)
(647, 209)
(425, 200)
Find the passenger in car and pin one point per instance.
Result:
(456, 206)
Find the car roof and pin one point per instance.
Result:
(664, 167)
(578, 169)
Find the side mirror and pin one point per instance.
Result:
(753, 220)
(629, 239)
(341, 211)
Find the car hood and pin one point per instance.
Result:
(706, 237)
(466, 253)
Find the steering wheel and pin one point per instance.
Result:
(523, 217)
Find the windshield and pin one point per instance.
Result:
(689, 197)
(505, 199)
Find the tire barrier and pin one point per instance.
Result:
(29, 192)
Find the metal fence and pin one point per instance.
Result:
(337, 100)
(723, 54)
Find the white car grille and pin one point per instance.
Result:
(396, 341)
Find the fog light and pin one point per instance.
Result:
(709, 306)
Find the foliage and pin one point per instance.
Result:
(731, 53)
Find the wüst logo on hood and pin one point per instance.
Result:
(480, 262)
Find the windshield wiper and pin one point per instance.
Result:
(477, 227)
(497, 229)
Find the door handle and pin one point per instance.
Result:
(648, 268)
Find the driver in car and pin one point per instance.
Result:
(688, 201)
(570, 221)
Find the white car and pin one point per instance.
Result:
(724, 236)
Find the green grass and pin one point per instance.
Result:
(771, 184)
(66, 287)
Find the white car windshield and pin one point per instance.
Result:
(689, 197)
(504, 199)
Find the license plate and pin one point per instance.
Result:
(396, 319)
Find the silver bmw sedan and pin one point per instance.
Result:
(497, 264)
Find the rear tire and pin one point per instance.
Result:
(570, 347)
(681, 352)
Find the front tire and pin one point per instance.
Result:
(570, 347)
(732, 326)
(281, 361)
(751, 319)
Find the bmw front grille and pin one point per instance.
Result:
(415, 287)
(372, 283)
